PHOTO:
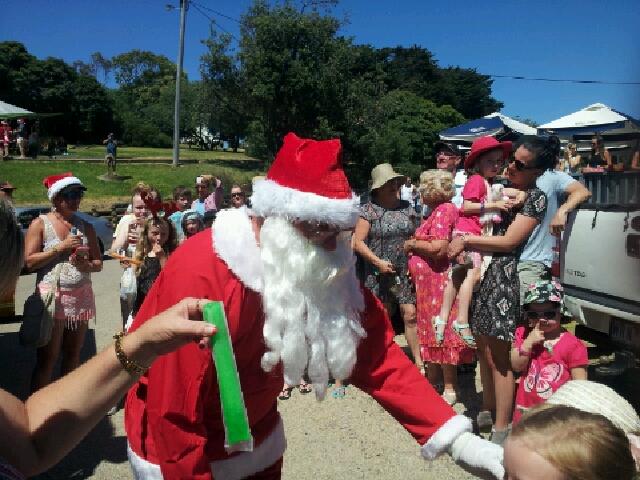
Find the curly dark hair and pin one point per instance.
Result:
(545, 149)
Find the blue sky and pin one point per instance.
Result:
(580, 39)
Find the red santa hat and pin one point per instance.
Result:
(56, 183)
(306, 182)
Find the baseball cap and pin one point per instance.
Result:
(451, 147)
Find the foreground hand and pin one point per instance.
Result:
(170, 330)
(455, 248)
(473, 451)
(502, 205)
(83, 264)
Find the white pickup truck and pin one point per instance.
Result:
(600, 258)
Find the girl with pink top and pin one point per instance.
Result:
(548, 355)
(477, 215)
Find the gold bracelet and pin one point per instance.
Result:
(129, 365)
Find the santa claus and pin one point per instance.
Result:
(286, 277)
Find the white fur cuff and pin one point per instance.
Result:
(445, 436)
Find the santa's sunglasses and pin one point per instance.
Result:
(546, 315)
(318, 229)
(70, 195)
(521, 166)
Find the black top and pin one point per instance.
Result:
(149, 271)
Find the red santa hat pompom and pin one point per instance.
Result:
(56, 183)
(306, 182)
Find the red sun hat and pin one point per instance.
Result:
(484, 145)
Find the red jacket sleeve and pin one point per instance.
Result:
(386, 373)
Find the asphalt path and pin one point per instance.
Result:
(338, 438)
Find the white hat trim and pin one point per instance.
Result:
(272, 199)
(235, 243)
(61, 184)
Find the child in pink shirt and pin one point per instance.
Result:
(477, 215)
(547, 354)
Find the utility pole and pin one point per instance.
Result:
(176, 118)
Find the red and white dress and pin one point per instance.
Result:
(172, 415)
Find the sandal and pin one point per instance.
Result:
(339, 392)
(439, 332)
(285, 394)
(467, 339)
(305, 388)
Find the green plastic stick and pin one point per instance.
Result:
(234, 413)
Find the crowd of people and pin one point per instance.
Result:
(461, 259)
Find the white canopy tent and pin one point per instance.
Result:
(11, 111)
(593, 118)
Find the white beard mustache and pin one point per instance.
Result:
(312, 301)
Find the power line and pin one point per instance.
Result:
(566, 80)
(220, 14)
(212, 20)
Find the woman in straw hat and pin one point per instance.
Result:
(385, 223)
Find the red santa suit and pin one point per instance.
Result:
(172, 416)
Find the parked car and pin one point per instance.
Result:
(103, 229)
(600, 258)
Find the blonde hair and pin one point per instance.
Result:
(144, 245)
(436, 186)
(580, 445)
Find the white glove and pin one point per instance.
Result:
(479, 453)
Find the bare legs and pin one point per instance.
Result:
(497, 379)
(408, 313)
(461, 287)
(67, 342)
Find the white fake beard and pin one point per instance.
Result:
(312, 301)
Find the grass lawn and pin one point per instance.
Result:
(98, 151)
(27, 177)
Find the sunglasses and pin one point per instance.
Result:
(547, 315)
(72, 194)
(319, 229)
(237, 195)
(521, 166)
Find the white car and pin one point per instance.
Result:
(600, 258)
(103, 229)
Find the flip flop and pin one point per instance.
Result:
(285, 394)
(305, 388)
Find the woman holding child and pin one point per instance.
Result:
(495, 308)
(429, 268)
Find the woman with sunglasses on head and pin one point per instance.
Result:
(495, 308)
(63, 250)
(547, 354)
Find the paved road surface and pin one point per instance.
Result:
(350, 438)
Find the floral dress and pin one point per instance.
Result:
(430, 277)
(388, 230)
(495, 307)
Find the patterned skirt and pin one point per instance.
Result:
(73, 304)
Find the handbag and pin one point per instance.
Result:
(38, 315)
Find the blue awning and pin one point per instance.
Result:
(474, 129)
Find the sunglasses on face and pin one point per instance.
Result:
(237, 195)
(72, 195)
(546, 315)
(319, 229)
(521, 166)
